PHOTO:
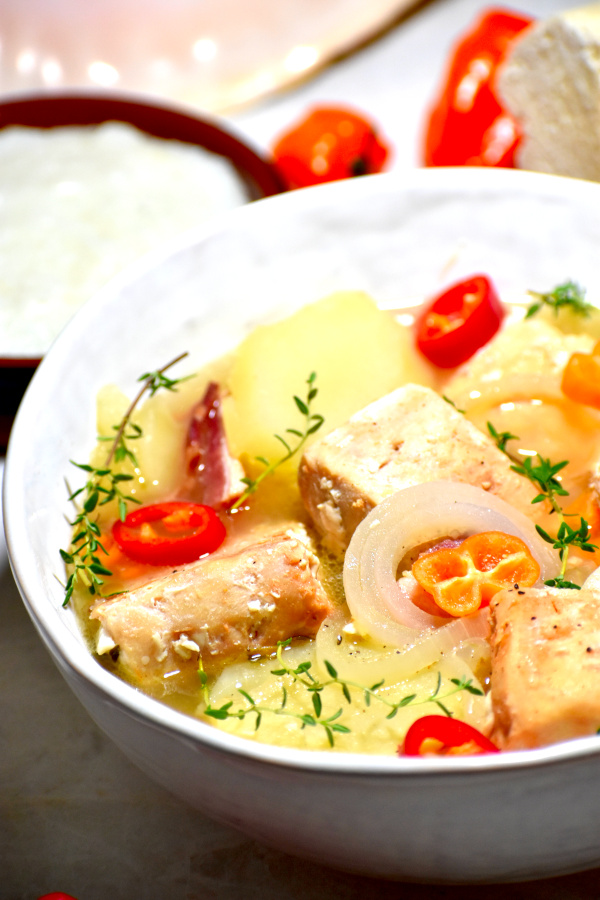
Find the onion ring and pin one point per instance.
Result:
(379, 604)
(509, 388)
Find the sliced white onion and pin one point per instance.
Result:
(380, 606)
(511, 387)
(369, 664)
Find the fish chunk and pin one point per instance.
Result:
(545, 666)
(227, 606)
(408, 437)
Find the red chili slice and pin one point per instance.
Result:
(456, 323)
(57, 895)
(468, 125)
(169, 534)
(451, 733)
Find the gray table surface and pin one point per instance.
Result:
(75, 815)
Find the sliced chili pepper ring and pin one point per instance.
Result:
(448, 732)
(464, 578)
(460, 320)
(169, 534)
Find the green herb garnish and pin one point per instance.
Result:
(103, 486)
(312, 423)
(315, 687)
(568, 295)
(543, 474)
(452, 403)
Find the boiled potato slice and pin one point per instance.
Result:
(163, 420)
(358, 352)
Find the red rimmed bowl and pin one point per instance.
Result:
(256, 176)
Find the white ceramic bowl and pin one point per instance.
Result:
(513, 816)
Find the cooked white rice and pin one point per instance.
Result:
(77, 204)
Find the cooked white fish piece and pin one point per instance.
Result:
(230, 605)
(408, 437)
(545, 666)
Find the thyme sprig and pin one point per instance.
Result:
(312, 423)
(568, 295)
(105, 485)
(302, 675)
(543, 474)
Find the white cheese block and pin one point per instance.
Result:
(551, 84)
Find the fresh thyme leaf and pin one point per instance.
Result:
(330, 669)
(103, 486)
(452, 403)
(562, 583)
(317, 703)
(501, 437)
(300, 675)
(301, 406)
(312, 423)
(157, 380)
(568, 295)
(543, 475)
(407, 700)
(466, 685)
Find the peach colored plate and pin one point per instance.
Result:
(214, 54)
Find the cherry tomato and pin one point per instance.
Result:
(467, 125)
(329, 144)
(450, 733)
(459, 321)
(169, 534)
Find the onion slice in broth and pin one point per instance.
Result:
(382, 606)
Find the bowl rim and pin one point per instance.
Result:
(91, 106)
(72, 652)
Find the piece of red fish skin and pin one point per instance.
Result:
(212, 475)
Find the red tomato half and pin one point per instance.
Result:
(169, 534)
(329, 144)
(467, 125)
(459, 321)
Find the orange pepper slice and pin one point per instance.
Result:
(464, 578)
(581, 378)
